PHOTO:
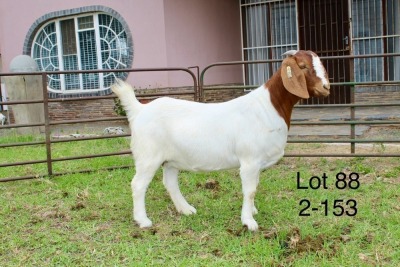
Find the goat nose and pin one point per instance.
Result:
(327, 86)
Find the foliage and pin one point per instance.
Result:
(118, 107)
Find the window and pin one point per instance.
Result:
(269, 30)
(376, 30)
(83, 42)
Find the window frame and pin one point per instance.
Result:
(128, 43)
(270, 44)
(96, 28)
(375, 69)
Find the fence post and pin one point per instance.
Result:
(47, 124)
(352, 101)
(352, 118)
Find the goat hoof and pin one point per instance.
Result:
(144, 223)
(189, 210)
(251, 224)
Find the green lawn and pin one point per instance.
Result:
(86, 219)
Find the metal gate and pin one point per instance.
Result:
(324, 28)
(48, 141)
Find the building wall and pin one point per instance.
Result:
(173, 33)
(207, 30)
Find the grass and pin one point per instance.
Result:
(60, 150)
(86, 219)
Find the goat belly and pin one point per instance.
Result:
(206, 163)
(225, 152)
(201, 150)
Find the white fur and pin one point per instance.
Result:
(245, 133)
(319, 69)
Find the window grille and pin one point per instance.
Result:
(90, 42)
(376, 30)
(269, 30)
(46, 53)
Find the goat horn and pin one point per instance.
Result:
(289, 53)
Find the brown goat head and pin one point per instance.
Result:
(303, 74)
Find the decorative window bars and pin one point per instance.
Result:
(86, 42)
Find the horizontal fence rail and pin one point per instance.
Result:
(199, 88)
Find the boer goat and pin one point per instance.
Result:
(249, 132)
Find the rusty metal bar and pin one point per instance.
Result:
(47, 124)
(65, 140)
(21, 102)
(21, 125)
(29, 177)
(30, 162)
(350, 122)
(380, 141)
(197, 92)
(352, 118)
(363, 155)
(92, 98)
(23, 144)
(11, 164)
(20, 178)
(201, 79)
(125, 152)
(86, 120)
(349, 105)
(239, 87)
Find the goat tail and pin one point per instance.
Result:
(128, 99)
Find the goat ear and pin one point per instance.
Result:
(293, 78)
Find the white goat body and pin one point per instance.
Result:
(204, 137)
(249, 132)
(246, 132)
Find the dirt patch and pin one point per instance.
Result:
(212, 185)
(294, 243)
(78, 206)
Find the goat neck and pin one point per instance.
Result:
(281, 99)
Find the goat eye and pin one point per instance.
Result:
(302, 65)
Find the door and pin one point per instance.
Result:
(324, 29)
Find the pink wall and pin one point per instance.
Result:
(169, 33)
(207, 31)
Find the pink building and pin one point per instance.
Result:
(67, 35)
(88, 34)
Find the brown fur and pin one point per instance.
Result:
(284, 99)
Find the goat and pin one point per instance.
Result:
(249, 132)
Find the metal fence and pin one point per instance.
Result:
(47, 124)
(199, 88)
